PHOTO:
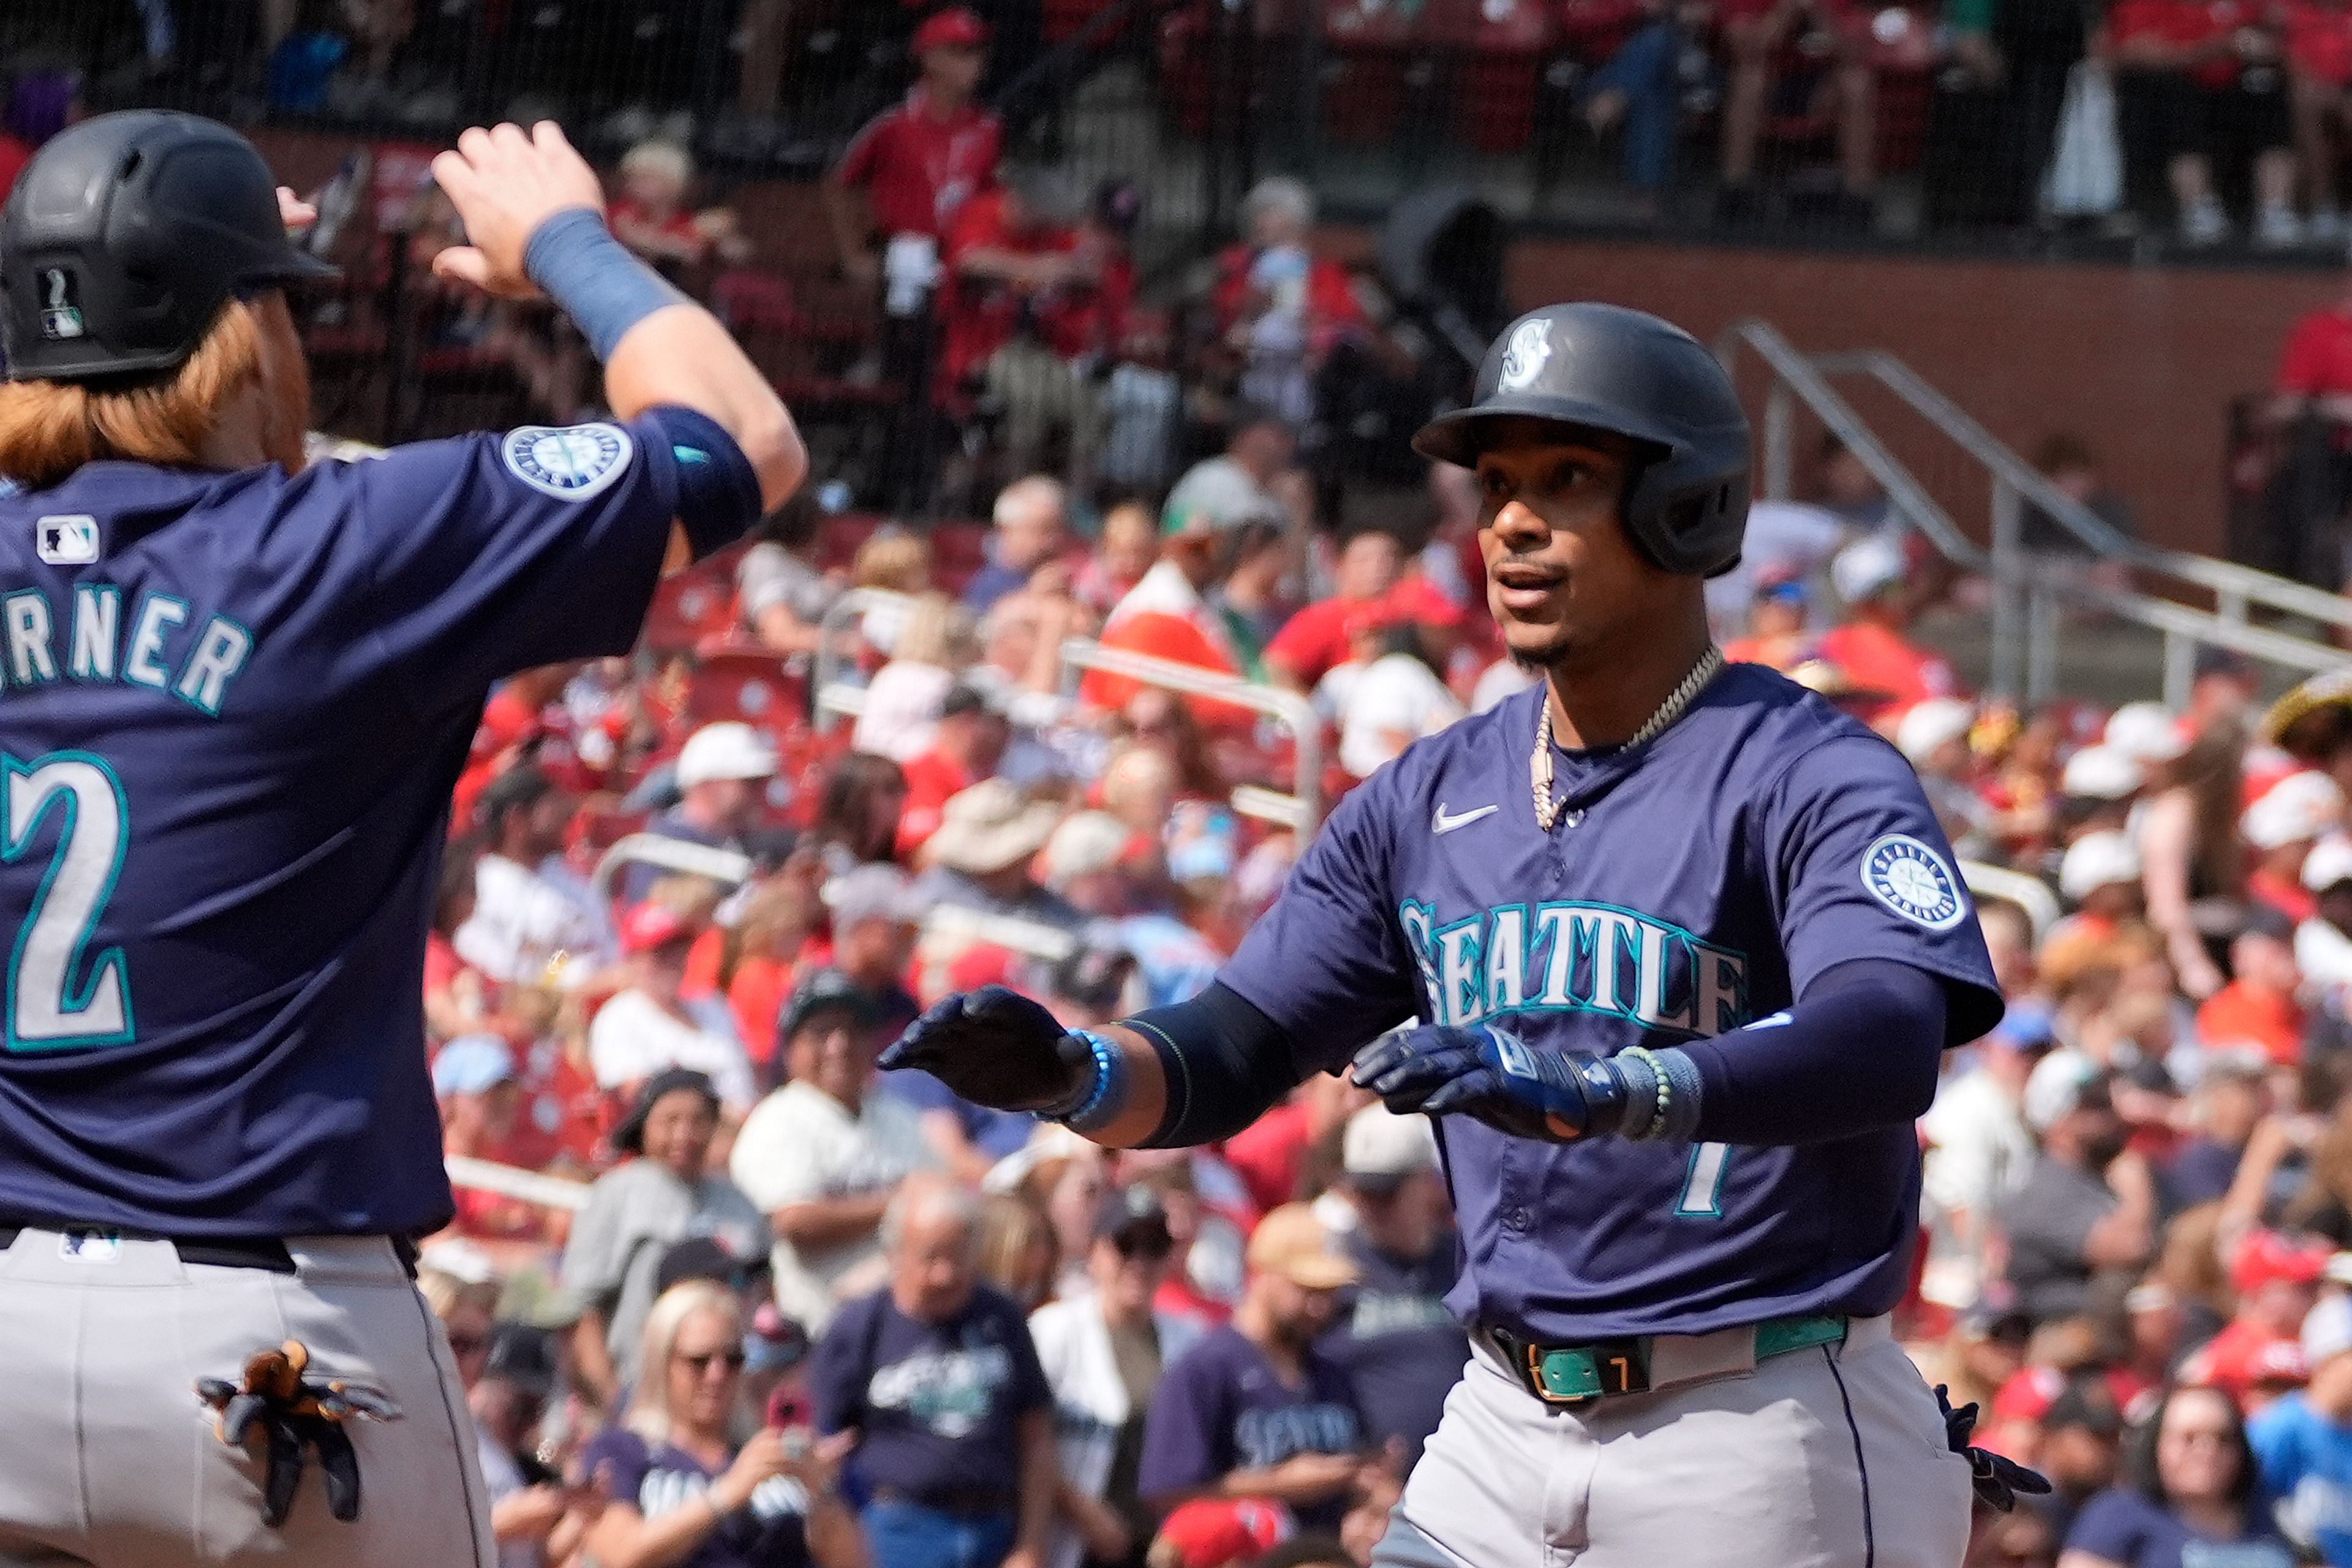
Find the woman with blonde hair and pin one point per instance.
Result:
(1018, 1250)
(678, 1493)
(901, 715)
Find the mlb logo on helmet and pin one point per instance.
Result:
(61, 304)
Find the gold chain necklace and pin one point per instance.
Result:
(1547, 810)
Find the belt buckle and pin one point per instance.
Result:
(1611, 1367)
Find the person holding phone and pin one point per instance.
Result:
(677, 1493)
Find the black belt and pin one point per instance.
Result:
(965, 1502)
(268, 1253)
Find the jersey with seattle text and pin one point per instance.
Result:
(1693, 885)
(231, 708)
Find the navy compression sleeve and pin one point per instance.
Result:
(717, 490)
(1860, 1050)
(1225, 1064)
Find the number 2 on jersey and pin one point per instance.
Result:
(47, 1010)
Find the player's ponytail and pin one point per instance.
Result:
(49, 428)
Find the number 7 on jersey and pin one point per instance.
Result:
(47, 1011)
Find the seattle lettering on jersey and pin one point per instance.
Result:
(1573, 957)
(43, 642)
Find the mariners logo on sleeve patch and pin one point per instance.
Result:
(1913, 880)
(570, 464)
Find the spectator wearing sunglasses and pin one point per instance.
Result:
(2190, 1495)
(677, 1492)
(1103, 1350)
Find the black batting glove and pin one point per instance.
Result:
(1493, 1076)
(296, 1415)
(997, 1047)
(1997, 1480)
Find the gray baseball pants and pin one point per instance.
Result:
(1828, 1457)
(108, 1458)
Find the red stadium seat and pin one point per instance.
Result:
(1501, 46)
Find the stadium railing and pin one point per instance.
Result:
(2028, 603)
(1299, 809)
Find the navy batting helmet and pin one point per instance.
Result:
(123, 239)
(1603, 367)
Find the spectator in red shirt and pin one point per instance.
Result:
(651, 216)
(2197, 82)
(2276, 1282)
(969, 744)
(1280, 307)
(474, 1079)
(1873, 648)
(1316, 639)
(920, 162)
(2314, 373)
(1813, 50)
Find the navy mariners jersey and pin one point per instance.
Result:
(231, 708)
(1694, 885)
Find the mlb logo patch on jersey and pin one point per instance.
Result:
(1912, 879)
(90, 1246)
(66, 541)
(570, 464)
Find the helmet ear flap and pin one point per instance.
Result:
(1687, 524)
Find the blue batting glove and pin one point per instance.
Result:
(1493, 1076)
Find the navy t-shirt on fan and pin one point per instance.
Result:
(1694, 885)
(231, 709)
(2125, 1527)
(770, 1531)
(938, 1406)
(1400, 1346)
(1222, 1406)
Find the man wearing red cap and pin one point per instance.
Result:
(2275, 1280)
(920, 160)
(650, 1025)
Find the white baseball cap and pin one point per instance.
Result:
(1085, 843)
(2097, 860)
(725, 751)
(1866, 567)
(2299, 806)
(1381, 1148)
(2330, 862)
(2057, 1087)
(2146, 732)
(2327, 1330)
(2101, 773)
(1926, 725)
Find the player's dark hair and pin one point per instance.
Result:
(2140, 1471)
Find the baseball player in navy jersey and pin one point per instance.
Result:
(234, 693)
(1685, 946)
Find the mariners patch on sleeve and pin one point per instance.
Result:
(1912, 879)
(571, 464)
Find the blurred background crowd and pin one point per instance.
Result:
(1115, 571)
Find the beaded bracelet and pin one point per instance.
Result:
(1666, 1093)
(1111, 1072)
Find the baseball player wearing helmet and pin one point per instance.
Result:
(234, 693)
(1685, 946)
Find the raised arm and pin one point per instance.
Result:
(534, 213)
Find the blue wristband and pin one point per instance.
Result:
(1108, 1098)
(594, 277)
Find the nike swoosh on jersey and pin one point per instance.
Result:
(1440, 822)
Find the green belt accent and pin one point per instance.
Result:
(1591, 1372)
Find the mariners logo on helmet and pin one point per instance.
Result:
(1910, 879)
(1524, 360)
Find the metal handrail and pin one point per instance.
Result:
(2025, 605)
(1300, 810)
(1286, 707)
(513, 1182)
(2234, 586)
(2027, 892)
